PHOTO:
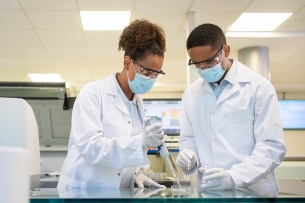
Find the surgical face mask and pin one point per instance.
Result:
(141, 83)
(211, 74)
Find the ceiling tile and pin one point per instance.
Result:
(293, 24)
(105, 37)
(104, 51)
(62, 37)
(57, 20)
(275, 6)
(40, 69)
(176, 51)
(71, 61)
(48, 4)
(99, 62)
(99, 77)
(9, 4)
(2, 52)
(24, 50)
(7, 71)
(33, 61)
(174, 66)
(7, 61)
(76, 77)
(73, 70)
(297, 72)
(285, 79)
(17, 78)
(279, 49)
(224, 19)
(13, 20)
(220, 5)
(161, 5)
(299, 53)
(105, 5)
(18, 37)
(179, 39)
(104, 71)
(167, 20)
(66, 51)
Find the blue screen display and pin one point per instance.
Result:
(293, 114)
(167, 111)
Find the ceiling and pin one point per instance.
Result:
(46, 36)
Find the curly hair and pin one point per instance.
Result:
(141, 38)
(206, 34)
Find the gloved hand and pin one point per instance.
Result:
(186, 159)
(142, 180)
(216, 179)
(147, 192)
(153, 136)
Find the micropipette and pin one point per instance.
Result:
(164, 153)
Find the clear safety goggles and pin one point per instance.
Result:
(148, 72)
(208, 63)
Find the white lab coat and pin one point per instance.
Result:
(100, 145)
(241, 131)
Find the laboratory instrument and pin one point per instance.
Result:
(164, 153)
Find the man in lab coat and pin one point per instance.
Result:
(231, 128)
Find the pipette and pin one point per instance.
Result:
(164, 153)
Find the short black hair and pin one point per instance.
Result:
(206, 34)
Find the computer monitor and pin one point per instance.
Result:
(293, 114)
(166, 111)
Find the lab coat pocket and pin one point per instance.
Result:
(241, 126)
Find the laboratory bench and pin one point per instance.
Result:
(189, 194)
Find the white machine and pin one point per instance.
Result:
(19, 129)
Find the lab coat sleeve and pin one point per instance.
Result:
(95, 147)
(269, 149)
(187, 139)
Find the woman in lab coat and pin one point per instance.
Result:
(230, 121)
(107, 145)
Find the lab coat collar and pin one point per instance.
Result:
(112, 89)
(237, 74)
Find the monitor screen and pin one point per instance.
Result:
(293, 114)
(166, 111)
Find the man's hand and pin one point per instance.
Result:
(216, 179)
(186, 159)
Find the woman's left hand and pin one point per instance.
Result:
(141, 179)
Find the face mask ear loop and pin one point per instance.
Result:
(133, 69)
(222, 60)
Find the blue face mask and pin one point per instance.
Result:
(211, 74)
(140, 84)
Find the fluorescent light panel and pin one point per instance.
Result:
(259, 21)
(45, 77)
(105, 20)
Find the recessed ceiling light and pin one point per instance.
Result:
(259, 21)
(45, 77)
(105, 20)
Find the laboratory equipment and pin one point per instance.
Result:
(164, 153)
(19, 129)
(292, 114)
(165, 111)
